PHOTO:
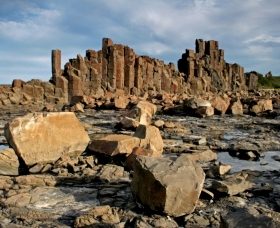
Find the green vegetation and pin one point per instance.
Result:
(268, 82)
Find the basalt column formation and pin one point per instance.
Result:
(206, 70)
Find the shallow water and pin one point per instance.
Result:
(239, 165)
(2, 147)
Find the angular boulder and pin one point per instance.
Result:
(232, 185)
(137, 151)
(147, 137)
(235, 107)
(220, 104)
(115, 144)
(8, 162)
(260, 106)
(191, 105)
(150, 138)
(204, 111)
(172, 187)
(142, 113)
(147, 111)
(121, 102)
(45, 137)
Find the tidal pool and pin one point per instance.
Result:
(2, 147)
(239, 164)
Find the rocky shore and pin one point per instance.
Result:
(95, 189)
(120, 140)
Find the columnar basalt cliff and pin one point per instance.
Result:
(117, 67)
(206, 70)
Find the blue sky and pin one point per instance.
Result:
(248, 31)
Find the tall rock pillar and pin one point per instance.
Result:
(56, 64)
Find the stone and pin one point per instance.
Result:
(232, 185)
(159, 123)
(77, 108)
(169, 125)
(111, 173)
(203, 156)
(160, 184)
(45, 137)
(204, 111)
(150, 138)
(6, 182)
(36, 168)
(235, 107)
(130, 119)
(220, 104)
(9, 162)
(115, 144)
(218, 170)
(192, 104)
(260, 106)
(137, 151)
(121, 102)
(147, 111)
(97, 216)
(243, 217)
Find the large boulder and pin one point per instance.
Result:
(150, 138)
(172, 187)
(235, 107)
(45, 137)
(192, 104)
(142, 113)
(8, 162)
(220, 104)
(147, 110)
(260, 106)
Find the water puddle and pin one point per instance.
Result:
(239, 165)
(236, 134)
(2, 147)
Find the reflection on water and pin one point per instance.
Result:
(2, 147)
(238, 165)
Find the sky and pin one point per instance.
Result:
(248, 31)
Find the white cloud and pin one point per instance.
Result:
(160, 28)
(263, 39)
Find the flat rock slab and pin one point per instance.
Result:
(40, 137)
(8, 162)
(172, 187)
(232, 185)
(115, 144)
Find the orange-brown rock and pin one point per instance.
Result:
(236, 107)
(150, 138)
(261, 106)
(44, 137)
(115, 144)
(147, 111)
(220, 104)
(129, 162)
(9, 162)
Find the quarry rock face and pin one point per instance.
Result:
(43, 138)
(172, 187)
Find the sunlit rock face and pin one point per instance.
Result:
(43, 138)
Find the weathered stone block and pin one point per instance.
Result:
(160, 184)
(41, 137)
